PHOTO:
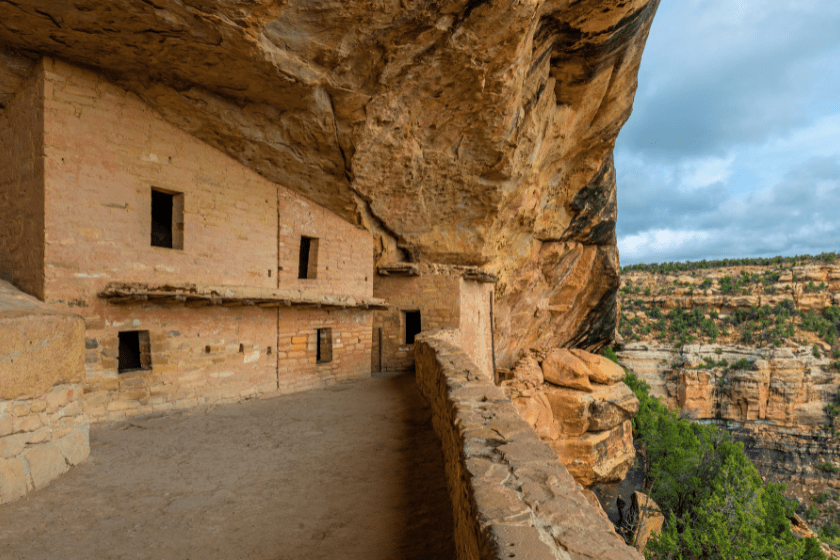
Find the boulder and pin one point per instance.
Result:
(601, 369)
(564, 369)
(606, 407)
(528, 371)
(598, 457)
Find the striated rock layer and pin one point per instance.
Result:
(777, 407)
(458, 132)
(576, 403)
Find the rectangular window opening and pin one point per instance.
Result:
(412, 325)
(167, 219)
(135, 352)
(323, 347)
(308, 264)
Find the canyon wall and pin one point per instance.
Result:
(457, 132)
(753, 349)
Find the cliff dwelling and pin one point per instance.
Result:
(203, 204)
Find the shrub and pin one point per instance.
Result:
(816, 351)
(828, 467)
(743, 363)
(609, 353)
(813, 513)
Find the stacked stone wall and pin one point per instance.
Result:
(344, 253)
(436, 296)
(41, 439)
(298, 368)
(22, 188)
(512, 497)
(43, 429)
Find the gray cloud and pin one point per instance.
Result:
(733, 148)
(796, 216)
(703, 90)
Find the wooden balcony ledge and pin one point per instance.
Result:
(200, 295)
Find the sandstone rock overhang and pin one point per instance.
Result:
(473, 133)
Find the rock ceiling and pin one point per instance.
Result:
(462, 132)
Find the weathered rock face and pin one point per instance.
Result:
(587, 424)
(462, 132)
(777, 407)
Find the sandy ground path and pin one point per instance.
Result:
(349, 472)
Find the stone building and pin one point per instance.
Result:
(178, 277)
(430, 297)
(198, 280)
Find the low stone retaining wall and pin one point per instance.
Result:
(43, 429)
(40, 439)
(511, 495)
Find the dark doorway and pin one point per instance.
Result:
(412, 326)
(134, 351)
(308, 264)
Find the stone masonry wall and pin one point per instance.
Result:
(298, 369)
(41, 439)
(198, 356)
(436, 296)
(344, 254)
(22, 188)
(512, 497)
(105, 151)
(43, 430)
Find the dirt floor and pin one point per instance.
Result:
(349, 472)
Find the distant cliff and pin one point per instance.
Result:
(753, 348)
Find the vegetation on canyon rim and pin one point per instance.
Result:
(663, 268)
(714, 500)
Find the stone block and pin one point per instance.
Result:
(59, 396)
(520, 542)
(564, 369)
(75, 447)
(12, 480)
(45, 464)
(48, 345)
(6, 424)
(601, 370)
(12, 446)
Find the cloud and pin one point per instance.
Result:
(796, 216)
(733, 147)
(713, 77)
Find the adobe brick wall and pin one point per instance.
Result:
(511, 495)
(21, 188)
(105, 150)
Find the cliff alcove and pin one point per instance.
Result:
(457, 132)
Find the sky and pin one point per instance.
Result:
(733, 147)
